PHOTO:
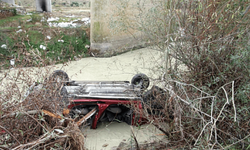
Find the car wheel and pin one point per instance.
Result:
(59, 76)
(140, 80)
(57, 79)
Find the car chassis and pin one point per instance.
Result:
(99, 101)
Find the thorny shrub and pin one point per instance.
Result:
(23, 122)
(6, 11)
(209, 102)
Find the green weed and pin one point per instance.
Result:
(32, 48)
(14, 19)
(57, 49)
(36, 18)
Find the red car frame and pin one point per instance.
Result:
(103, 100)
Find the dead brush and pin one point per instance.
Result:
(190, 117)
(24, 119)
(209, 104)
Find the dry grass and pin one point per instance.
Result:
(23, 123)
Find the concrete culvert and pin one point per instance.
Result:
(43, 5)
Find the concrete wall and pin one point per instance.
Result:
(9, 1)
(102, 38)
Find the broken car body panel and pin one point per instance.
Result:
(112, 100)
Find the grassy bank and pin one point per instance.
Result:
(30, 41)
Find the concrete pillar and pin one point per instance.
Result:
(9, 1)
(101, 37)
(43, 5)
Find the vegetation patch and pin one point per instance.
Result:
(34, 43)
(208, 106)
(27, 41)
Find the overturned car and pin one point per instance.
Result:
(98, 101)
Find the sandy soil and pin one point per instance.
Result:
(122, 67)
(68, 11)
(109, 135)
(116, 68)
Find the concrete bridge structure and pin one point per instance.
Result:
(103, 39)
(102, 36)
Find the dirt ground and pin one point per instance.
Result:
(66, 11)
(117, 68)
(112, 135)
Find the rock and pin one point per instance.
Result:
(114, 148)
(20, 10)
(38, 24)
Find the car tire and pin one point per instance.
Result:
(56, 80)
(58, 76)
(142, 80)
